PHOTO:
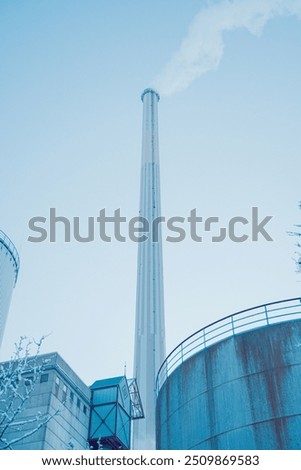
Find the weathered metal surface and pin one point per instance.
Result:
(241, 393)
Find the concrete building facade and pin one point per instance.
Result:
(60, 412)
(62, 396)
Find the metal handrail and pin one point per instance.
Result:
(8, 244)
(239, 322)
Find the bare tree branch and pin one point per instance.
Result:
(297, 260)
(18, 378)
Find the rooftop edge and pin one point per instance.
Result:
(150, 90)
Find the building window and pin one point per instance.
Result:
(78, 403)
(85, 410)
(57, 386)
(44, 378)
(28, 381)
(64, 396)
(72, 396)
(124, 392)
(15, 383)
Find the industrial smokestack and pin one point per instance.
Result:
(150, 324)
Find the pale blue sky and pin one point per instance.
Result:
(70, 82)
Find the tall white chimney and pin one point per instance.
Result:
(150, 324)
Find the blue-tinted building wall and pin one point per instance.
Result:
(58, 392)
(243, 392)
(110, 422)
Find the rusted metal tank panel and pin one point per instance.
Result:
(241, 393)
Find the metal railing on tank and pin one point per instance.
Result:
(8, 244)
(245, 320)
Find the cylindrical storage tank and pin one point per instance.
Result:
(236, 384)
(9, 268)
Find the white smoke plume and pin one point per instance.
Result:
(203, 47)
